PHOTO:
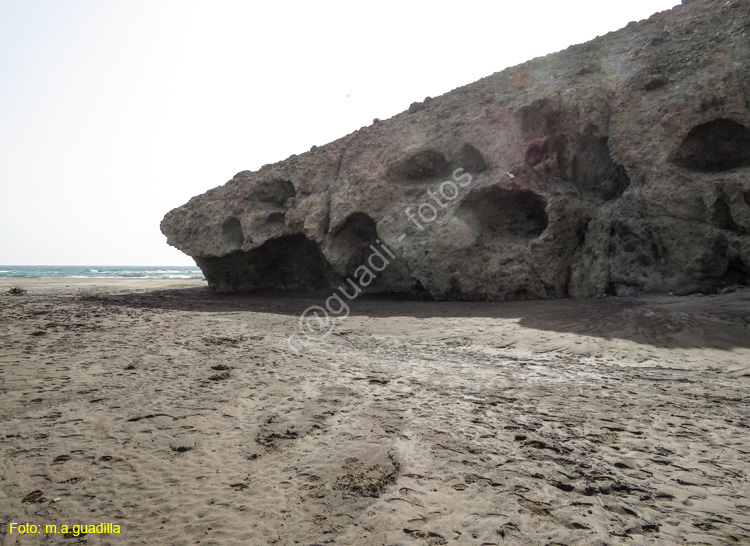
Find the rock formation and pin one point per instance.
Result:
(619, 166)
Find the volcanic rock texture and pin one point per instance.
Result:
(619, 166)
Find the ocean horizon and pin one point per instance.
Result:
(99, 272)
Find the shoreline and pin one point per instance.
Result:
(48, 283)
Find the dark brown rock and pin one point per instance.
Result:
(618, 166)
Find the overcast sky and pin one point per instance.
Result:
(114, 112)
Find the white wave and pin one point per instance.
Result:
(97, 277)
(133, 277)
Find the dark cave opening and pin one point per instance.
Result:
(717, 146)
(508, 214)
(736, 274)
(232, 232)
(424, 165)
(287, 263)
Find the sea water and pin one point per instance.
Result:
(100, 272)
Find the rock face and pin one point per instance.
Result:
(619, 166)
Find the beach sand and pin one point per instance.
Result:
(178, 415)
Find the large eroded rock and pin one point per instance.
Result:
(618, 166)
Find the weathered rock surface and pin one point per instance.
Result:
(618, 166)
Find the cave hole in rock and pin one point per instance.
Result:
(557, 149)
(548, 155)
(545, 128)
(354, 244)
(594, 170)
(622, 290)
(523, 294)
(352, 240)
(722, 215)
(509, 214)
(716, 146)
(232, 231)
(292, 262)
(471, 160)
(418, 291)
(424, 165)
(275, 191)
(736, 273)
(275, 218)
(455, 292)
(542, 117)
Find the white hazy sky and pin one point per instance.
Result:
(113, 112)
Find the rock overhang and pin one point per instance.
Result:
(617, 166)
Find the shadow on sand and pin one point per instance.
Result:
(719, 322)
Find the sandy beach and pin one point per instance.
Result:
(174, 413)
